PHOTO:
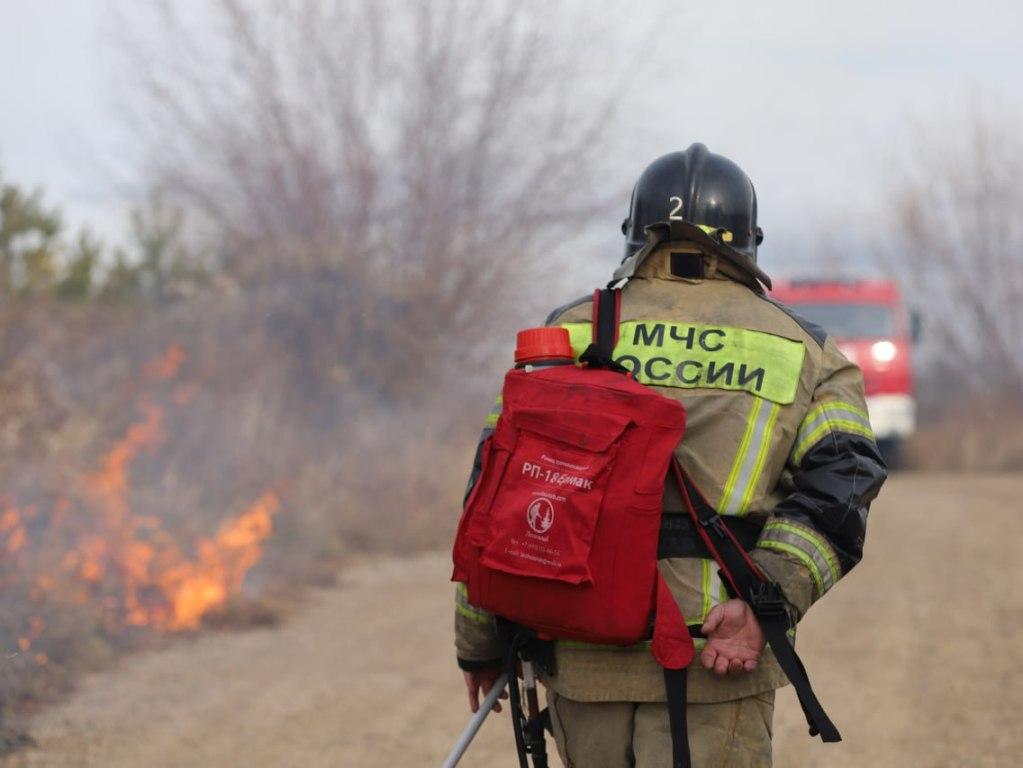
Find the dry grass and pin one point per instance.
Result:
(984, 433)
(251, 408)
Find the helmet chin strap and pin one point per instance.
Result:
(655, 235)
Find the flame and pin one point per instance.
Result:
(166, 366)
(130, 565)
(196, 587)
(160, 586)
(110, 484)
(12, 526)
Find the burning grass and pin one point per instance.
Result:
(187, 469)
(88, 573)
(132, 560)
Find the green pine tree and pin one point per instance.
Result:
(29, 233)
(79, 273)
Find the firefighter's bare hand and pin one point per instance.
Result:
(734, 639)
(482, 681)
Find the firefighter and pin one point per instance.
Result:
(778, 440)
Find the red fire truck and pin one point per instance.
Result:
(873, 328)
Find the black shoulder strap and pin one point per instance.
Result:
(675, 690)
(606, 310)
(747, 582)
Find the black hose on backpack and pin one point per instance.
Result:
(515, 699)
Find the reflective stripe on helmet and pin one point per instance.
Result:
(722, 234)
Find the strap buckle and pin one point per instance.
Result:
(595, 357)
(767, 600)
(716, 524)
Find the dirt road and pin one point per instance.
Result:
(918, 656)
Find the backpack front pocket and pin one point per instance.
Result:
(543, 520)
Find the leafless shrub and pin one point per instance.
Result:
(959, 254)
(399, 165)
(960, 250)
(386, 183)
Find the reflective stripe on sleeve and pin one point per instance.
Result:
(828, 417)
(749, 460)
(806, 545)
(495, 411)
(467, 609)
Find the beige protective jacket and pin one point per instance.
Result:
(777, 432)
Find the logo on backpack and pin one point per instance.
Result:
(540, 515)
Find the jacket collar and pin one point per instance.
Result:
(663, 237)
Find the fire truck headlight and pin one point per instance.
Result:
(883, 351)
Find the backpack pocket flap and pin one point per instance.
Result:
(542, 520)
(595, 432)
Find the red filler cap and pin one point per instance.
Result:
(542, 344)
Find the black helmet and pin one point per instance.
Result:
(706, 191)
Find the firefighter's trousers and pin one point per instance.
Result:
(729, 734)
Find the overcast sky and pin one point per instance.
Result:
(812, 98)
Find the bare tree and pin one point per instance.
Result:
(396, 164)
(959, 250)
